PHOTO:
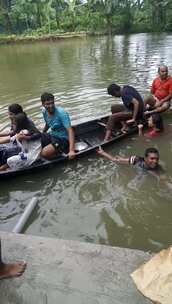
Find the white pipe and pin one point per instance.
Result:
(25, 216)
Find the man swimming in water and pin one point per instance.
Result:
(149, 162)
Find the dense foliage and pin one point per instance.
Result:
(110, 16)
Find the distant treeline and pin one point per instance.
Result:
(105, 16)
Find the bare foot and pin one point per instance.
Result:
(124, 130)
(11, 270)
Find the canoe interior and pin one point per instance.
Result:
(91, 132)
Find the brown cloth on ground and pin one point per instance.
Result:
(154, 279)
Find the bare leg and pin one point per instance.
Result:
(149, 101)
(48, 152)
(10, 270)
(164, 107)
(116, 108)
(4, 167)
(108, 135)
(114, 119)
(124, 126)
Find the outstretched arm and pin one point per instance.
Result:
(116, 159)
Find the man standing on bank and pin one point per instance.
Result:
(60, 131)
(161, 91)
(131, 112)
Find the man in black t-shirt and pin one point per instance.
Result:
(131, 112)
(150, 161)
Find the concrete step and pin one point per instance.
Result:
(69, 272)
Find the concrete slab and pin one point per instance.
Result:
(70, 272)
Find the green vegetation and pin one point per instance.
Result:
(41, 17)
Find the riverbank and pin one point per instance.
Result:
(36, 36)
(65, 271)
(43, 37)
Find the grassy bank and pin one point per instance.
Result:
(8, 39)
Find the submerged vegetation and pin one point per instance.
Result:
(40, 17)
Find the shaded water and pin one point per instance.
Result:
(90, 199)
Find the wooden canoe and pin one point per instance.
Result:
(88, 136)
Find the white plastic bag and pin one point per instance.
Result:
(154, 279)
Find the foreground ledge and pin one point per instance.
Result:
(64, 272)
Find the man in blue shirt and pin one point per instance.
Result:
(58, 125)
(130, 112)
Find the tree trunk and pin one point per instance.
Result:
(7, 23)
(39, 15)
(57, 20)
(5, 7)
(109, 25)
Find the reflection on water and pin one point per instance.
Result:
(90, 199)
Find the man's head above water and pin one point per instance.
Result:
(151, 158)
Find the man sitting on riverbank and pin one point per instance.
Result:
(131, 112)
(161, 90)
(10, 270)
(58, 125)
(149, 162)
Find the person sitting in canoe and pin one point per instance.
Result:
(10, 149)
(131, 112)
(58, 125)
(161, 90)
(155, 123)
(150, 161)
(28, 139)
(13, 110)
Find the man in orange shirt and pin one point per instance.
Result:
(161, 90)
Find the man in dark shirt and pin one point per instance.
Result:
(131, 112)
(150, 161)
